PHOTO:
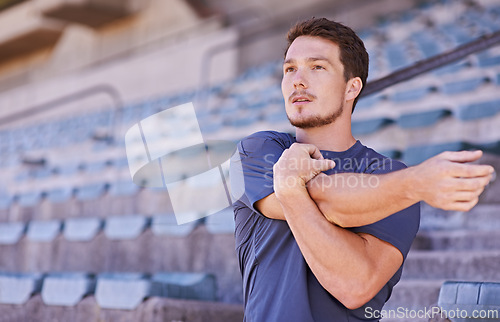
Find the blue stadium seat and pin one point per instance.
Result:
(451, 68)
(417, 154)
(189, 286)
(123, 291)
(478, 110)
(125, 227)
(20, 286)
(462, 86)
(43, 231)
(410, 95)
(11, 232)
(82, 228)
(91, 191)
(488, 60)
(470, 299)
(369, 126)
(277, 115)
(67, 169)
(123, 188)
(421, 119)
(5, 201)
(29, 199)
(167, 225)
(221, 222)
(59, 195)
(396, 55)
(66, 289)
(426, 43)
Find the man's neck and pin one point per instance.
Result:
(332, 137)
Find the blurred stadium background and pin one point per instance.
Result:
(79, 241)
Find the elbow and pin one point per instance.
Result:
(354, 295)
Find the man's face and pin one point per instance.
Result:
(313, 82)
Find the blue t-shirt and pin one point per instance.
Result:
(278, 285)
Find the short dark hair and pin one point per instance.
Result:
(353, 55)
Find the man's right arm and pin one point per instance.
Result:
(444, 181)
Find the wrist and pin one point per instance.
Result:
(411, 183)
(289, 187)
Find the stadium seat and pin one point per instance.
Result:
(417, 154)
(221, 222)
(20, 287)
(5, 201)
(125, 227)
(29, 199)
(123, 291)
(123, 188)
(59, 194)
(488, 60)
(81, 229)
(66, 289)
(167, 225)
(462, 86)
(11, 232)
(91, 191)
(369, 126)
(470, 299)
(43, 231)
(189, 286)
(478, 110)
(410, 95)
(421, 119)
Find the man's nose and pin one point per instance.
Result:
(299, 80)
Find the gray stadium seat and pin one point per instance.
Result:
(167, 225)
(369, 126)
(478, 110)
(221, 222)
(11, 232)
(81, 229)
(125, 227)
(189, 286)
(465, 300)
(122, 290)
(66, 289)
(43, 231)
(20, 287)
(421, 119)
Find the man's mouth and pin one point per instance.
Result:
(301, 99)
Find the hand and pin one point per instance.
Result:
(296, 166)
(447, 182)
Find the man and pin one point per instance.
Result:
(325, 223)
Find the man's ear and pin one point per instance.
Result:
(353, 88)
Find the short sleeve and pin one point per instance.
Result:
(251, 170)
(398, 229)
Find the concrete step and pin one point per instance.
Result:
(482, 217)
(411, 299)
(153, 309)
(457, 240)
(480, 265)
(150, 252)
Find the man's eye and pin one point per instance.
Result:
(289, 69)
(318, 67)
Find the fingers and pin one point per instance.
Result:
(460, 170)
(472, 184)
(322, 165)
(311, 149)
(462, 156)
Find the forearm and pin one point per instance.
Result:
(355, 199)
(349, 274)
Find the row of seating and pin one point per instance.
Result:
(125, 227)
(111, 290)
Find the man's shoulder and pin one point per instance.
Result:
(266, 139)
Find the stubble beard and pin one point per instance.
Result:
(316, 120)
